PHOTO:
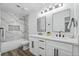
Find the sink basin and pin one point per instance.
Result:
(40, 33)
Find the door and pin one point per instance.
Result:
(34, 46)
(53, 51)
(62, 52)
(49, 50)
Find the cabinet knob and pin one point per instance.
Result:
(32, 44)
(55, 52)
(41, 41)
(41, 48)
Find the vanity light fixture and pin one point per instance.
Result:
(60, 4)
(51, 7)
(42, 11)
(57, 5)
(46, 10)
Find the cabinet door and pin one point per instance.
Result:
(53, 51)
(34, 46)
(49, 23)
(41, 51)
(49, 50)
(64, 53)
(58, 49)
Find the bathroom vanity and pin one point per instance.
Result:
(52, 46)
(60, 20)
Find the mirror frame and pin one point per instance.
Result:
(64, 19)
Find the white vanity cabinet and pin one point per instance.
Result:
(41, 47)
(62, 52)
(58, 49)
(33, 45)
(46, 47)
(37, 46)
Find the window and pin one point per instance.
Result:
(13, 27)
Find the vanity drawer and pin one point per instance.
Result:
(41, 47)
(41, 54)
(41, 51)
(41, 43)
(42, 40)
(64, 46)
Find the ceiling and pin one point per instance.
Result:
(36, 6)
(25, 8)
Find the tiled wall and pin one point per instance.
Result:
(11, 19)
(33, 23)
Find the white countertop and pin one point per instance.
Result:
(58, 39)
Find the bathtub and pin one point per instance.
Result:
(11, 45)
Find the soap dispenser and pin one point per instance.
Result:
(59, 34)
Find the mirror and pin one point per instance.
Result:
(61, 20)
(41, 24)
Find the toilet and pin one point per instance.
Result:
(25, 45)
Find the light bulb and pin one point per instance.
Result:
(60, 4)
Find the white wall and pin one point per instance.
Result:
(34, 15)
(33, 23)
(76, 15)
(10, 45)
(8, 18)
(0, 17)
(76, 12)
(13, 39)
(0, 34)
(26, 27)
